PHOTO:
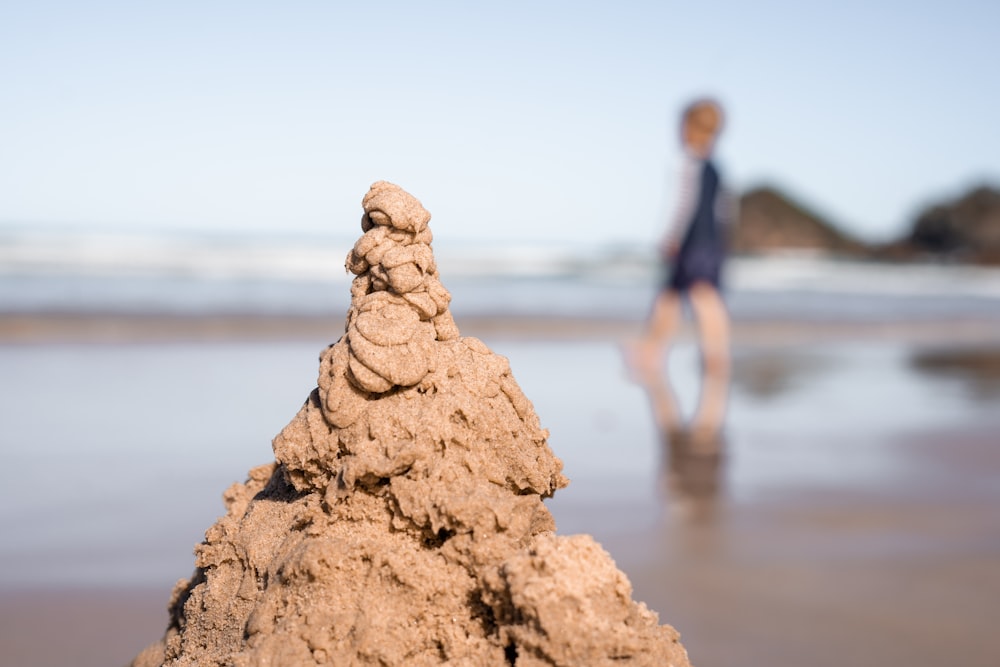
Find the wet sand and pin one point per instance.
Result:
(113, 327)
(896, 575)
(860, 566)
(78, 626)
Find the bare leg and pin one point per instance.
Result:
(645, 356)
(665, 317)
(713, 327)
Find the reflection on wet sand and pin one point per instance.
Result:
(692, 452)
(771, 374)
(978, 369)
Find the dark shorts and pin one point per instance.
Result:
(696, 264)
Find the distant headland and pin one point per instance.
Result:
(965, 229)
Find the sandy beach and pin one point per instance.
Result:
(258, 410)
(848, 517)
(118, 327)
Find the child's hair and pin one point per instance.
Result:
(706, 113)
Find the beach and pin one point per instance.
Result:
(847, 517)
(259, 407)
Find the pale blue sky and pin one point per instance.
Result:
(514, 120)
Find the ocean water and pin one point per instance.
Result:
(190, 274)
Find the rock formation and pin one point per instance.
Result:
(966, 228)
(769, 221)
(402, 521)
(963, 229)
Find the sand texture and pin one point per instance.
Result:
(402, 521)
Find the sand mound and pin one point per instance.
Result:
(402, 522)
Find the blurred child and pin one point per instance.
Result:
(694, 249)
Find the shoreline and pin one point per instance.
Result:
(122, 328)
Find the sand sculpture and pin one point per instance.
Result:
(402, 521)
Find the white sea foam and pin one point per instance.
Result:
(826, 275)
(209, 257)
(42, 270)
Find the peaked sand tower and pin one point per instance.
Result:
(402, 521)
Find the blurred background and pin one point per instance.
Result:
(180, 183)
